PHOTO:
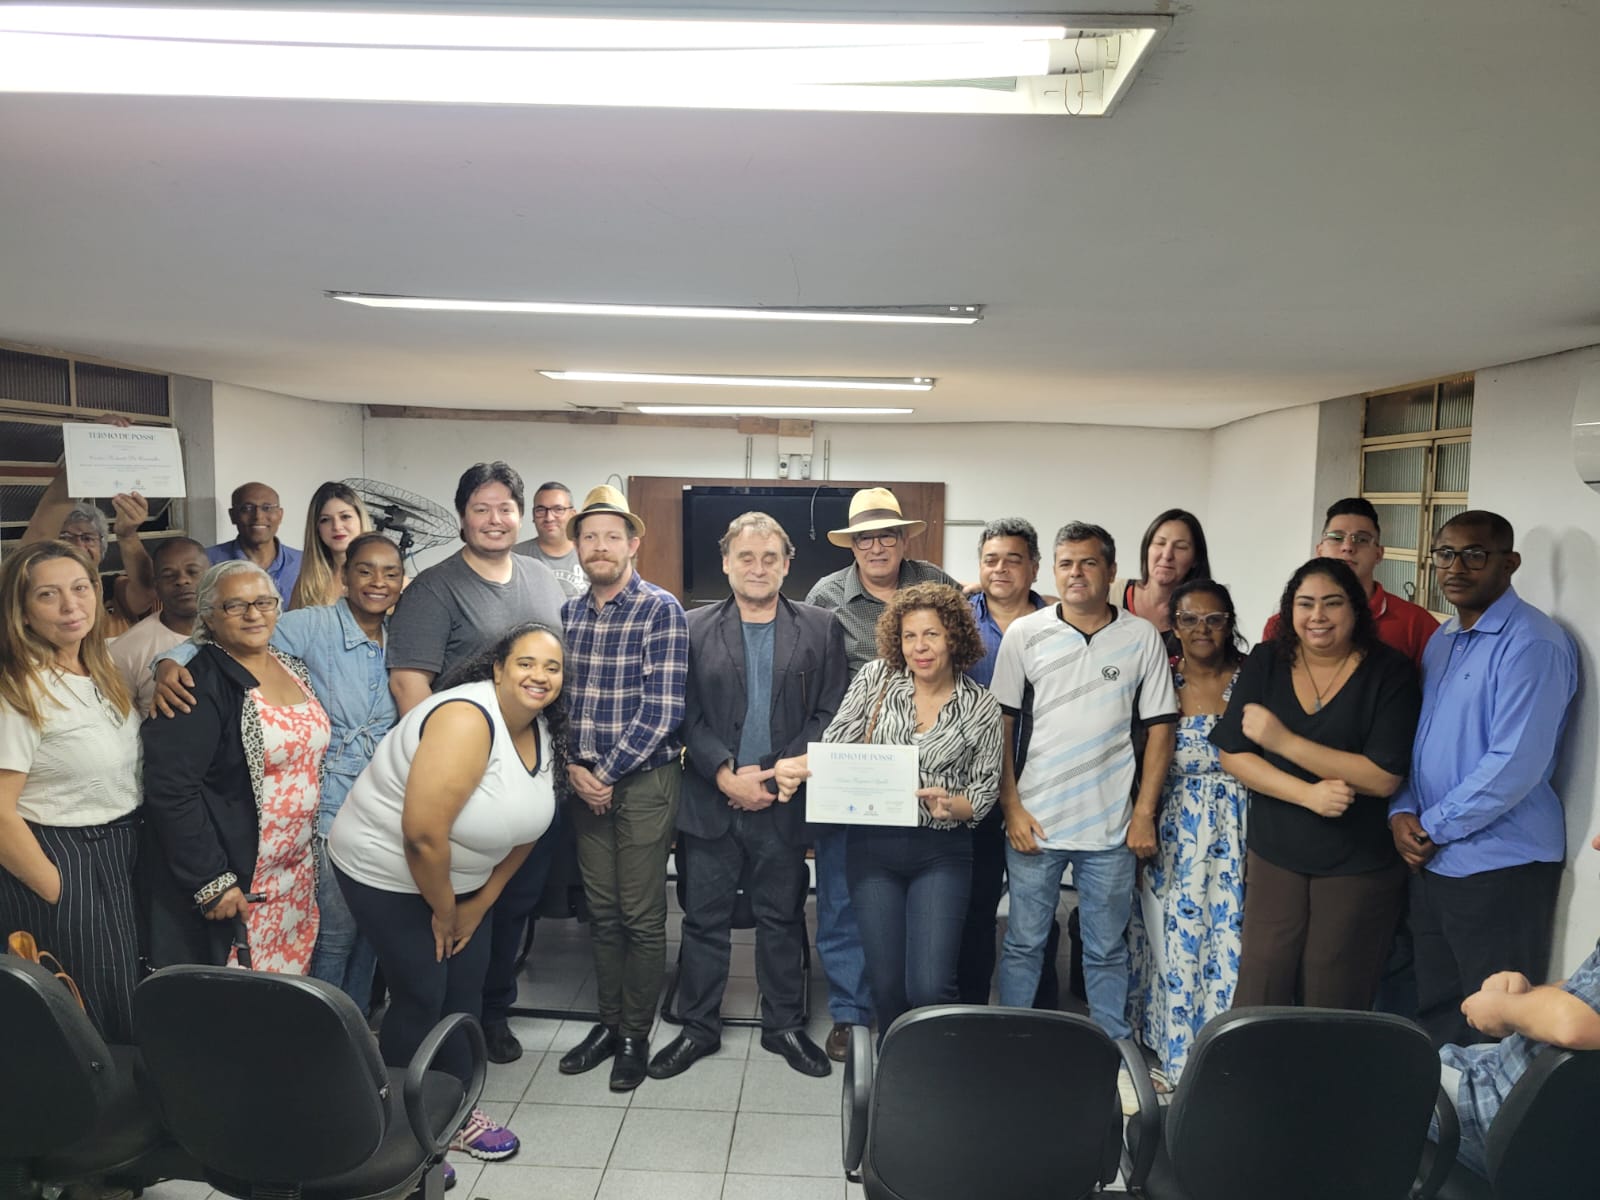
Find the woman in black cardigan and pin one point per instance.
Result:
(204, 772)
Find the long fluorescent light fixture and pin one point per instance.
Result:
(766, 410)
(917, 383)
(895, 314)
(1075, 66)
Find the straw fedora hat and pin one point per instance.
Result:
(604, 499)
(874, 508)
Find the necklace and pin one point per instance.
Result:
(1332, 679)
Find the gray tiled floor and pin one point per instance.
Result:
(739, 1125)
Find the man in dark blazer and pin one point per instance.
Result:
(765, 677)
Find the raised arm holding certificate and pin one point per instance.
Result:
(853, 784)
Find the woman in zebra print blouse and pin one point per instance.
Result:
(909, 886)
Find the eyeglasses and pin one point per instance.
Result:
(250, 510)
(80, 539)
(1214, 621)
(1339, 537)
(262, 604)
(551, 510)
(884, 537)
(1473, 557)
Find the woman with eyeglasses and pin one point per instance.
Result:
(231, 788)
(1319, 728)
(1184, 936)
(335, 518)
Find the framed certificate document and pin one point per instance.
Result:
(103, 460)
(853, 784)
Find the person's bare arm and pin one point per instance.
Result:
(20, 853)
(447, 767)
(1160, 741)
(1263, 728)
(1326, 797)
(1544, 1014)
(136, 588)
(1022, 831)
(409, 687)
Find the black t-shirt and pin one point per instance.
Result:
(1374, 713)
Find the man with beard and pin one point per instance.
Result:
(179, 564)
(627, 669)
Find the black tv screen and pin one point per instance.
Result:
(806, 515)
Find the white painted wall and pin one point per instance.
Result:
(1522, 468)
(1116, 476)
(290, 444)
(1261, 520)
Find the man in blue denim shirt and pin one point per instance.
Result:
(1477, 820)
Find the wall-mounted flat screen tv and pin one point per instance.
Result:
(806, 515)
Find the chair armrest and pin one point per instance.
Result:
(422, 1063)
(1138, 1161)
(1444, 1158)
(856, 1098)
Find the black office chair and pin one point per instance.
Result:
(744, 917)
(1002, 1103)
(1317, 1104)
(1538, 1146)
(70, 1105)
(274, 1084)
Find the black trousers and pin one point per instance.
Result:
(93, 928)
(775, 876)
(511, 913)
(975, 965)
(1465, 929)
(422, 991)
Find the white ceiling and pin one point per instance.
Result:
(1295, 202)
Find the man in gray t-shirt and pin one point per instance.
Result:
(552, 505)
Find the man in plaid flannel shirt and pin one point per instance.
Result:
(626, 670)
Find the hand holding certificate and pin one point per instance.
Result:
(854, 784)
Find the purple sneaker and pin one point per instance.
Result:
(449, 1177)
(483, 1138)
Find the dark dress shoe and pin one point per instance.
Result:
(681, 1054)
(799, 1051)
(588, 1054)
(839, 1042)
(629, 1067)
(502, 1043)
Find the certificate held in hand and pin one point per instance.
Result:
(855, 784)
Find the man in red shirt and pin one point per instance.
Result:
(1350, 532)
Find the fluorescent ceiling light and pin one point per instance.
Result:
(1078, 67)
(772, 410)
(915, 384)
(897, 314)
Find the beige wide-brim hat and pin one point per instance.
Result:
(874, 508)
(604, 499)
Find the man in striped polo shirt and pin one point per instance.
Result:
(1073, 680)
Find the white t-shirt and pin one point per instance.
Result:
(1076, 699)
(83, 766)
(133, 653)
(510, 807)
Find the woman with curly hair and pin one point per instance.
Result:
(69, 780)
(334, 520)
(448, 809)
(909, 886)
(1319, 728)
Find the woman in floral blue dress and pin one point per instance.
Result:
(1184, 936)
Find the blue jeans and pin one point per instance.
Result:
(1104, 880)
(909, 888)
(838, 936)
(341, 956)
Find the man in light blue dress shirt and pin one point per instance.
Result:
(1477, 820)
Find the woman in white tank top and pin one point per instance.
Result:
(453, 800)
